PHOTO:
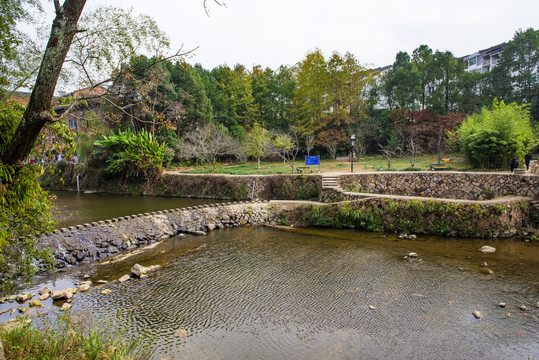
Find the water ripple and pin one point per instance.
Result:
(259, 293)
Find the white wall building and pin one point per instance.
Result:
(484, 60)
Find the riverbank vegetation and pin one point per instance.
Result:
(415, 217)
(69, 337)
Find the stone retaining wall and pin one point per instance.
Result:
(99, 240)
(495, 218)
(450, 185)
(209, 186)
(534, 167)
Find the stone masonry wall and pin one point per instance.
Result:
(209, 186)
(534, 167)
(451, 185)
(99, 240)
(494, 218)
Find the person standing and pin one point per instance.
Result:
(513, 163)
(527, 159)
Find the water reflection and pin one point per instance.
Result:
(262, 293)
(79, 208)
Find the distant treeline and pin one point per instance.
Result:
(325, 100)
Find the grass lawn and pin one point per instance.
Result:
(367, 163)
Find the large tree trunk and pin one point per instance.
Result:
(37, 114)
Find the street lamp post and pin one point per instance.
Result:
(353, 138)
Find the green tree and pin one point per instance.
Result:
(448, 71)
(286, 145)
(488, 139)
(282, 86)
(233, 102)
(25, 211)
(515, 77)
(310, 101)
(257, 143)
(24, 207)
(423, 59)
(193, 107)
(474, 91)
(402, 84)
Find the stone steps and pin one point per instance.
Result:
(330, 181)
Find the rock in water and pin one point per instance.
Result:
(23, 297)
(84, 287)
(65, 307)
(44, 291)
(488, 249)
(524, 308)
(372, 307)
(502, 305)
(35, 303)
(412, 255)
(106, 291)
(62, 294)
(477, 314)
(139, 270)
(124, 278)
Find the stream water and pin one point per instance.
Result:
(266, 293)
(78, 208)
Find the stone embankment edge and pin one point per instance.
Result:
(106, 238)
(502, 217)
(100, 240)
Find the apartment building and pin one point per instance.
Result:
(484, 60)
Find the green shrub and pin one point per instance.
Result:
(132, 155)
(488, 139)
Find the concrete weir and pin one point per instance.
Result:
(102, 239)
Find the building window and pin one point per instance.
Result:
(472, 62)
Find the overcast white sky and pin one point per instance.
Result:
(275, 32)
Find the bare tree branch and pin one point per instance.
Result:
(57, 6)
(207, 9)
